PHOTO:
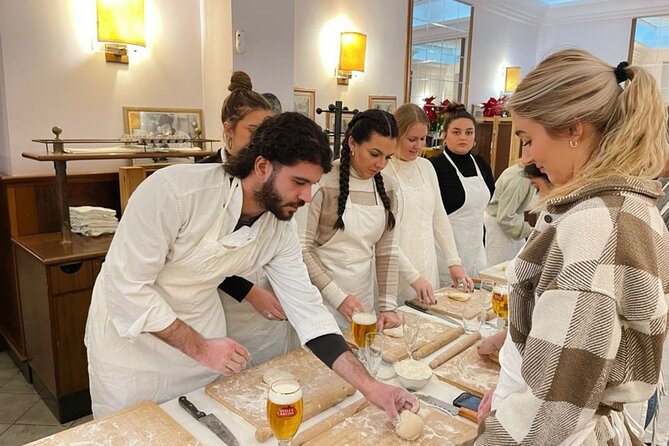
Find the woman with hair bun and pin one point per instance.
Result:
(253, 313)
(350, 224)
(588, 293)
(242, 112)
(466, 184)
(422, 218)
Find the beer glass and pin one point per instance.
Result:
(487, 287)
(500, 301)
(284, 409)
(362, 322)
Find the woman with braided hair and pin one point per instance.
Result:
(350, 224)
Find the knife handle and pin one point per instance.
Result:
(468, 414)
(190, 408)
(415, 306)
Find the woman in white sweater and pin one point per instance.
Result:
(422, 217)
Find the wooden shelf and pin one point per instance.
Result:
(49, 249)
(118, 155)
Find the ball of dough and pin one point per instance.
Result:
(272, 375)
(410, 427)
(459, 296)
(396, 332)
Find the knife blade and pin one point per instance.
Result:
(450, 408)
(211, 421)
(422, 309)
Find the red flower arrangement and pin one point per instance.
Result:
(494, 106)
(435, 112)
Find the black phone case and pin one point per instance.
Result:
(466, 399)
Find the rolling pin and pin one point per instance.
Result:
(457, 347)
(329, 422)
(438, 342)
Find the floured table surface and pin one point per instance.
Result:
(428, 332)
(245, 393)
(453, 308)
(371, 427)
(469, 371)
(140, 425)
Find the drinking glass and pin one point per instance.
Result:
(473, 316)
(410, 329)
(487, 287)
(500, 301)
(362, 322)
(284, 409)
(374, 345)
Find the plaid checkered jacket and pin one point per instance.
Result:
(588, 314)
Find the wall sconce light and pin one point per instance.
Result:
(511, 79)
(120, 23)
(351, 56)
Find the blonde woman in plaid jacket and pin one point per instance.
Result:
(588, 307)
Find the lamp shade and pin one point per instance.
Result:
(352, 51)
(121, 21)
(512, 79)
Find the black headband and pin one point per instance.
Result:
(621, 75)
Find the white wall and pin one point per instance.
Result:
(268, 59)
(317, 27)
(51, 76)
(498, 42)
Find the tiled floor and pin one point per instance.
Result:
(23, 415)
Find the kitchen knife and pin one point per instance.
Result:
(448, 407)
(422, 309)
(211, 421)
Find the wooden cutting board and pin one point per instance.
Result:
(453, 308)
(143, 424)
(371, 427)
(430, 332)
(469, 371)
(246, 394)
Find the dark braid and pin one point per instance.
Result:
(360, 128)
(345, 167)
(378, 179)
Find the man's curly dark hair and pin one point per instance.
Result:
(287, 139)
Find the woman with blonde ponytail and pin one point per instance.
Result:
(421, 214)
(588, 292)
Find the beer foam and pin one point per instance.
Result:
(285, 392)
(364, 318)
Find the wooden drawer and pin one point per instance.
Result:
(70, 277)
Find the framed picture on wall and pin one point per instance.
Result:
(477, 110)
(387, 103)
(144, 121)
(345, 119)
(304, 102)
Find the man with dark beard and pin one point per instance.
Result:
(156, 327)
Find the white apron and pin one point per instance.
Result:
(125, 371)
(467, 224)
(499, 247)
(264, 339)
(348, 257)
(417, 233)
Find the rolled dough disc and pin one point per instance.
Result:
(272, 375)
(396, 332)
(411, 426)
(459, 296)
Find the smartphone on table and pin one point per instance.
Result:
(466, 399)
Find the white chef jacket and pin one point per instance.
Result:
(167, 218)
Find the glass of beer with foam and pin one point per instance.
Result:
(284, 409)
(362, 322)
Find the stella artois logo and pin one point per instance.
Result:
(286, 411)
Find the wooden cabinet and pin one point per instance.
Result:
(497, 143)
(55, 282)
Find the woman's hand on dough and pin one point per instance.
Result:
(491, 344)
(424, 292)
(459, 276)
(388, 319)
